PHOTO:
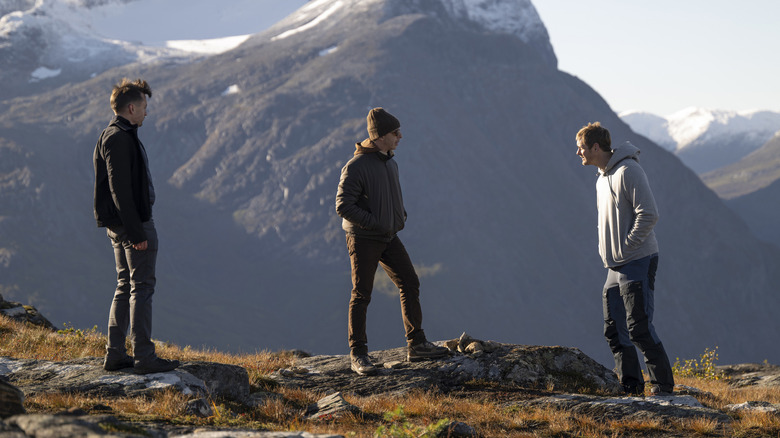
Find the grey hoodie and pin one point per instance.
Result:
(627, 210)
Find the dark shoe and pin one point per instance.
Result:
(658, 390)
(426, 350)
(362, 365)
(634, 391)
(115, 365)
(155, 365)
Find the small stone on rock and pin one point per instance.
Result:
(199, 407)
(474, 347)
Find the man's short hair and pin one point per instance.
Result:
(126, 92)
(593, 133)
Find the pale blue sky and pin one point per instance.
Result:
(665, 55)
(659, 56)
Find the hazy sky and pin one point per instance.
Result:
(665, 55)
(659, 56)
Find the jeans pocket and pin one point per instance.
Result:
(651, 273)
(634, 302)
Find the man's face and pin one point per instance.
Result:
(389, 141)
(587, 154)
(137, 112)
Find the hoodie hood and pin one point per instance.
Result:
(620, 153)
(367, 147)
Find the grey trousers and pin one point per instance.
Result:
(132, 305)
(629, 305)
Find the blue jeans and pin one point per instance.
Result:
(132, 305)
(628, 303)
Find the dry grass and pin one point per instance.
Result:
(484, 408)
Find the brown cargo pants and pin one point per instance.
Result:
(365, 255)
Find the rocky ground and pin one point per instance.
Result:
(24, 313)
(514, 375)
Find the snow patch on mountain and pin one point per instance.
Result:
(317, 20)
(328, 51)
(232, 89)
(209, 46)
(41, 73)
(517, 18)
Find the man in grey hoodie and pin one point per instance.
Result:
(370, 202)
(626, 216)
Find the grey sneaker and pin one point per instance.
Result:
(117, 364)
(426, 350)
(155, 365)
(362, 365)
(658, 390)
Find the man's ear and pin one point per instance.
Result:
(594, 145)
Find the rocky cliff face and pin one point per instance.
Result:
(246, 149)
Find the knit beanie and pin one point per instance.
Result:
(380, 122)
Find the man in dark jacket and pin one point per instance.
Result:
(124, 195)
(370, 202)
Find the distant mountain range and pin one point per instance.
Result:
(246, 148)
(704, 139)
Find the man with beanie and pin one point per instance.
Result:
(370, 202)
(626, 217)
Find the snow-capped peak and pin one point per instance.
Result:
(692, 123)
(513, 17)
(682, 128)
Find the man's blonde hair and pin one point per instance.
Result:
(593, 133)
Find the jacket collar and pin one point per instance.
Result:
(123, 124)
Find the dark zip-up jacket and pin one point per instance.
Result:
(121, 180)
(369, 196)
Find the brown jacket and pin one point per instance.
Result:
(369, 197)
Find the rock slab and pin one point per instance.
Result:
(558, 368)
(11, 400)
(87, 376)
(751, 374)
(67, 426)
(665, 408)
